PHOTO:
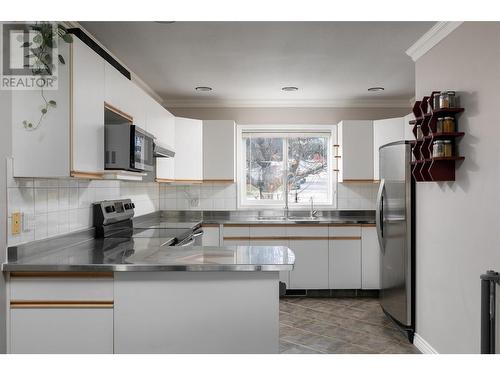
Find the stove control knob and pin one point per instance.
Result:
(127, 206)
(110, 209)
(133, 205)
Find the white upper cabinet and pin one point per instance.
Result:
(118, 89)
(355, 139)
(386, 131)
(188, 150)
(161, 123)
(43, 150)
(219, 150)
(88, 109)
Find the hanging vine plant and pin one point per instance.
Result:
(41, 51)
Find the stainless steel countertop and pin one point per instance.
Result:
(147, 254)
(265, 217)
(81, 252)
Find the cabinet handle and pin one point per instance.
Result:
(61, 304)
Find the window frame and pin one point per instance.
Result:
(300, 130)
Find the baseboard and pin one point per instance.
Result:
(423, 345)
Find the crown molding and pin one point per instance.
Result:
(432, 37)
(135, 78)
(276, 103)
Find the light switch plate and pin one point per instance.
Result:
(16, 222)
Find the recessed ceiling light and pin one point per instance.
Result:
(203, 88)
(376, 89)
(290, 88)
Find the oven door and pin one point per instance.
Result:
(142, 156)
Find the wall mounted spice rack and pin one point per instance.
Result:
(425, 166)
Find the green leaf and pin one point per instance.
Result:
(61, 60)
(52, 103)
(67, 38)
(25, 122)
(37, 38)
(30, 125)
(44, 110)
(61, 27)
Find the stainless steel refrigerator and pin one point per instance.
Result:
(396, 234)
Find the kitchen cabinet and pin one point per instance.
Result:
(44, 151)
(188, 150)
(370, 258)
(310, 245)
(61, 313)
(355, 151)
(345, 257)
(211, 235)
(386, 131)
(88, 110)
(161, 123)
(270, 235)
(219, 159)
(61, 330)
(235, 234)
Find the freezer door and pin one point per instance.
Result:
(393, 226)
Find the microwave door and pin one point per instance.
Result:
(143, 151)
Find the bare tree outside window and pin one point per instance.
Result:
(303, 161)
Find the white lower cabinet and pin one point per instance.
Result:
(345, 264)
(61, 331)
(211, 235)
(370, 259)
(311, 264)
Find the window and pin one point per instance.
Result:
(275, 161)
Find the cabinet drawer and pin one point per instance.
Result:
(57, 287)
(61, 331)
(345, 231)
(277, 230)
(236, 230)
(313, 230)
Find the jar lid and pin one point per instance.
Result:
(447, 141)
(438, 141)
(448, 118)
(450, 92)
(440, 118)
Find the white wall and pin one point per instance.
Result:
(458, 235)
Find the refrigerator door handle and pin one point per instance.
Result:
(379, 219)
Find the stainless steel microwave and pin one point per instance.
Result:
(128, 147)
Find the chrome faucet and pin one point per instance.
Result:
(312, 212)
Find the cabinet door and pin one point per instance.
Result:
(211, 235)
(117, 89)
(345, 264)
(355, 139)
(45, 151)
(385, 131)
(61, 330)
(189, 150)
(88, 109)
(161, 123)
(233, 235)
(270, 235)
(219, 150)
(370, 259)
(311, 264)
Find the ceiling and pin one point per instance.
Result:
(247, 63)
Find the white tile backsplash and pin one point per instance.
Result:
(52, 207)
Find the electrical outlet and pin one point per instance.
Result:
(16, 222)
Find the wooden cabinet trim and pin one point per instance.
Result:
(74, 275)
(118, 112)
(291, 238)
(87, 175)
(61, 304)
(360, 180)
(368, 225)
(210, 225)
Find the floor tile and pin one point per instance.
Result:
(338, 325)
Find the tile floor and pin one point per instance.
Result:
(338, 326)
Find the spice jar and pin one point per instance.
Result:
(448, 125)
(438, 149)
(435, 101)
(447, 148)
(447, 99)
(439, 125)
(420, 135)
